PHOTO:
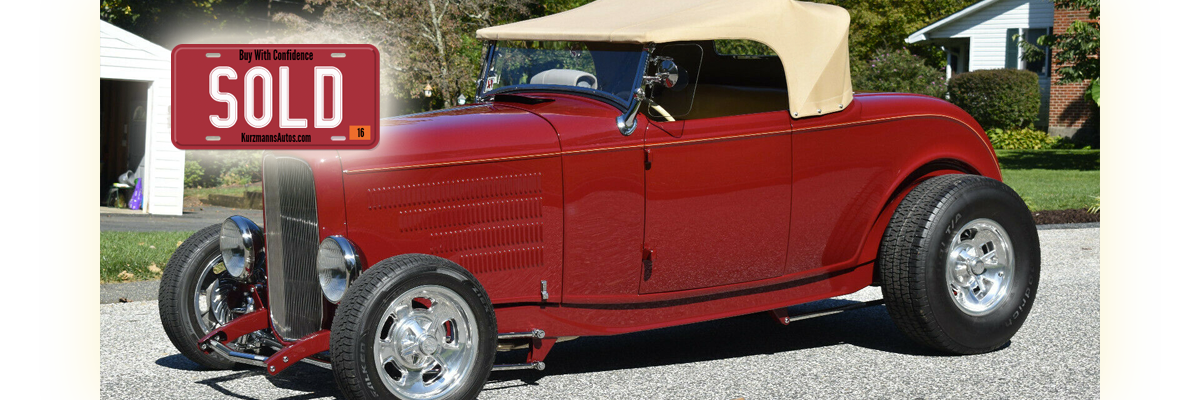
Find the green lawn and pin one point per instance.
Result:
(1053, 179)
(134, 256)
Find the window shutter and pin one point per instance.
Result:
(1010, 48)
(1049, 54)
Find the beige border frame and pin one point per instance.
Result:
(1132, 362)
(1132, 261)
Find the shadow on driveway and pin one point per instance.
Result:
(312, 381)
(736, 337)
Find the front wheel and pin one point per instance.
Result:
(960, 264)
(196, 295)
(413, 327)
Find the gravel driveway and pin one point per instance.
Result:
(857, 354)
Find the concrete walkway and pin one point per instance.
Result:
(193, 219)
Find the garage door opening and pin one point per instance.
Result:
(122, 132)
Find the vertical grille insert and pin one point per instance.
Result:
(290, 216)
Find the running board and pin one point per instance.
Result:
(534, 340)
(830, 311)
(513, 367)
(534, 334)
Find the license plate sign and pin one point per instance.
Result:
(309, 96)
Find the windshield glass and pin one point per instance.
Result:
(606, 69)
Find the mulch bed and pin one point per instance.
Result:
(1075, 216)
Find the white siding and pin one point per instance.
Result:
(165, 160)
(123, 55)
(988, 27)
(126, 56)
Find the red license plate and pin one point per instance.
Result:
(305, 96)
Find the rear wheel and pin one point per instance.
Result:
(960, 264)
(413, 327)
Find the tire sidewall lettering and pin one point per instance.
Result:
(969, 201)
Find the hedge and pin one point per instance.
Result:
(998, 98)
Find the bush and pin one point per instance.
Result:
(1027, 139)
(898, 71)
(223, 168)
(193, 174)
(998, 98)
(241, 168)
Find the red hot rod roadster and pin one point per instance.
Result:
(616, 173)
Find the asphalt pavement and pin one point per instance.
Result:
(857, 354)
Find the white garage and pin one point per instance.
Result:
(135, 112)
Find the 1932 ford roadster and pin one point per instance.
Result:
(617, 173)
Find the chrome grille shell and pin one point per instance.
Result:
(292, 240)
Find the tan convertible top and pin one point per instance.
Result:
(811, 39)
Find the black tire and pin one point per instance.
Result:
(916, 277)
(177, 291)
(357, 320)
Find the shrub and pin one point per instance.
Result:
(193, 174)
(1027, 139)
(242, 168)
(222, 167)
(998, 98)
(898, 71)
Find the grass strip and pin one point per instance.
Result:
(136, 256)
(1053, 179)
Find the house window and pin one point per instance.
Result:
(1039, 65)
(1014, 56)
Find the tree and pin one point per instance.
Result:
(898, 71)
(165, 22)
(1076, 51)
(882, 25)
(429, 42)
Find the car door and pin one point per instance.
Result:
(717, 201)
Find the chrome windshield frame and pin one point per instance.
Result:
(622, 104)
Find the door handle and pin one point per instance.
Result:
(648, 257)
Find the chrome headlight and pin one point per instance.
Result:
(241, 246)
(338, 264)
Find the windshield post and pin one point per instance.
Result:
(489, 51)
(627, 121)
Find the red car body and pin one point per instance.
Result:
(677, 223)
(611, 186)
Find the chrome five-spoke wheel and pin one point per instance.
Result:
(979, 266)
(426, 341)
(413, 326)
(960, 263)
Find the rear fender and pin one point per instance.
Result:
(870, 249)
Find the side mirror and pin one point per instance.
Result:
(671, 76)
